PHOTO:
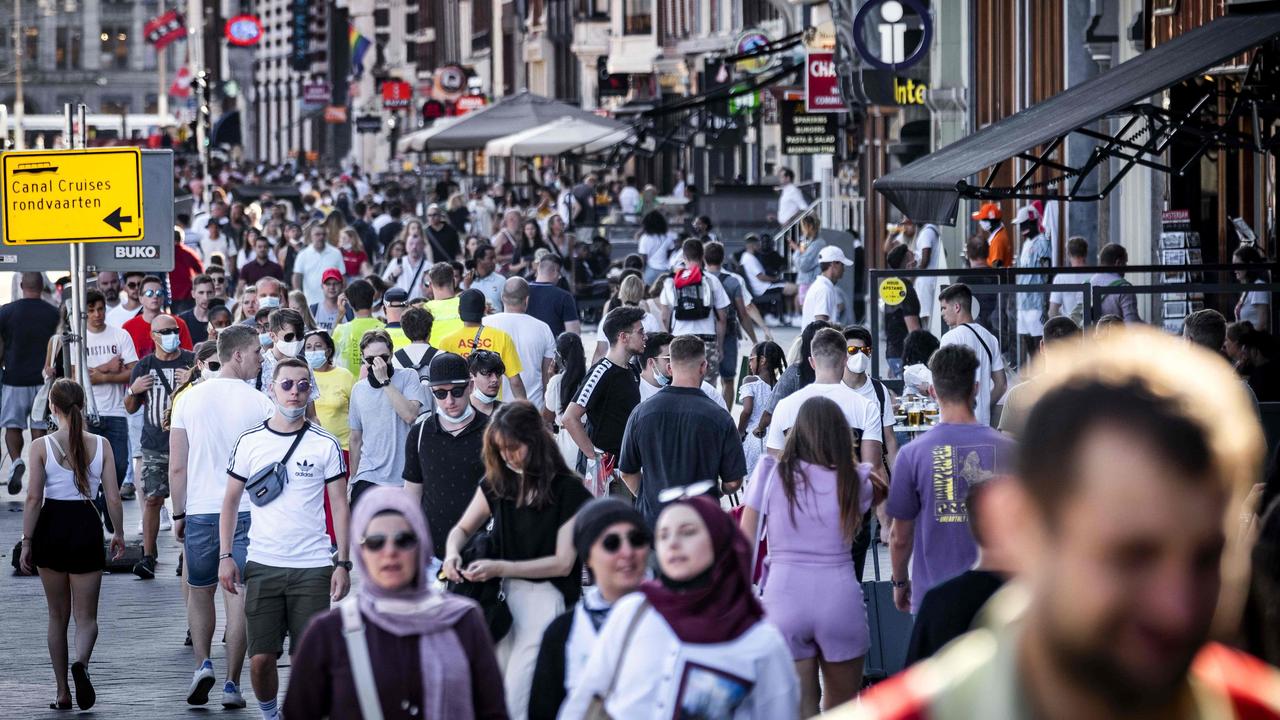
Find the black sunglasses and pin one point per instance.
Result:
(132, 284)
(385, 358)
(636, 538)
(304, 386)
(214, 365)
(166, 331)
(289, 337)
(403, 540)
(456, 392)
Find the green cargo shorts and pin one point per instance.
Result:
(281, 600)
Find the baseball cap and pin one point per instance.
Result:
(330, 274)
(471, 305)
(448, 369)
(1026, 213)
(988, 211)
(395, 295)
(831, 253)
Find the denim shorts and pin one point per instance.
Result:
(201, 550)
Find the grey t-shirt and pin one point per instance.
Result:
(382, 431)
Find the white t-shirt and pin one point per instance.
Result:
(311, 265)
(752, 268)
(289, 531)
(210, 247)
(989, 360)
(712, 290)
(656, 250)
(647, 391)
(119, 315)
(1068, 300)
(534, 344)
(868, 391)
(629, 200)
(822, 299)
(1250, 310)
(216, 412)
(861, 413)
(791, 203)
(411, 274)
(101, 347)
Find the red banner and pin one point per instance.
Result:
(821, 83)
(181, 87)
(164, 29)
(396, 95)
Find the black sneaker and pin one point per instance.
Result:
(187, 642)
(145, 568)
(127, 491)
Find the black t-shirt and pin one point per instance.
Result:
(609, 393)
(988, 302)
(677, 437)
(529, 533)
(389, 233)
(948, 610)
(26, 326)
(895, 324)
(447, 240)
(1263, 379)
(551, 305)
(154, 436)
(449, 467)
(199, 330)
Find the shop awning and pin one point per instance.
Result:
(509, 115)
(416, 141)
(554, 138)
(929, 189)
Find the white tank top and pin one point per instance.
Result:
(60, 483)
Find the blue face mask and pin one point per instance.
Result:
(269, 302)
(315, 358)
(169, 343)
(265, 339)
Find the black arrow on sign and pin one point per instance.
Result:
(115, 218)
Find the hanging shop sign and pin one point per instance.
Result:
(299, 35)
(164, 28)
(469, 103)
(368, 124)
(396, 95)
(316, 92)
(335, 114)
(821, 83)
(451, 79)
(882, 87)
(749, 41)
(807, 133)
(882, 29)
(243, 31)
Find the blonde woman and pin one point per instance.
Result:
(630, 293)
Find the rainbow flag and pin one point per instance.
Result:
(359, 46)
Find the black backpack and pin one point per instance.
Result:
(423, 366)
(693, 302)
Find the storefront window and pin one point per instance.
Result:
(637, 17)
(67, 53)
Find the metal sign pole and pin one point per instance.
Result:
(78, 285)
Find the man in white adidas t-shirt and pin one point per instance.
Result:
(957, 304)
(206, 421)
(288, 575)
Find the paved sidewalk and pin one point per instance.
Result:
(140, 668)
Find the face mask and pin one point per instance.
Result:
(211, 374)
(466, 414)
(482, 398)
(985, 225)
(662, 380)
(374, 380)
(169, 343)
(291, 413)
(289, 349)
(269, 302)
(315, 358)
(264, 339)
(858, 364)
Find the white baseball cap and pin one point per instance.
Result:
(1025, 214)
(831, 253)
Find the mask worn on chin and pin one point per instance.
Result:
(858, 364)
(662, 380)
(289, 349)
(210, 374)
(482, 398)
(169, 343)
(373, 380)
(265, 339)
(315, 358)
(269, 302)
(291, 413)
(466, 414)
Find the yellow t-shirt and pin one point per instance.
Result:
(335, 403)
(444, 319)
(398, 338)
(347, 338)
(462, 343)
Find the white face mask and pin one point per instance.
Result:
(482, 398)
(289, 349)
(466, 414)
(858, 363)
(269, 301)
(985, 224)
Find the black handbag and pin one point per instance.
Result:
(483, 545)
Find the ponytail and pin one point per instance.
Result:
(68, 397)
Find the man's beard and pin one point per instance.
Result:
(1099, 671)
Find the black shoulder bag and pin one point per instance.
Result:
(484, 545)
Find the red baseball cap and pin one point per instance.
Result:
(330, 274)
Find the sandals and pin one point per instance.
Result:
(85, 696)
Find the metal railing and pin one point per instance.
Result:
(841, 212)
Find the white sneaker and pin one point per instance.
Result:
(201, 683)
(166, 523)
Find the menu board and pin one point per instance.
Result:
(1180, 253)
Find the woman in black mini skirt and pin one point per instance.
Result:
(62, 533)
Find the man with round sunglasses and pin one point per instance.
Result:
(288, 574)
(443, 459)
(614, 543)
(384, 403)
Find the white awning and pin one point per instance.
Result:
(416, 141)
(553, 138)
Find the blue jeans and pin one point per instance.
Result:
(115, 430)
(201, 544)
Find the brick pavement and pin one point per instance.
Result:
(140, 667)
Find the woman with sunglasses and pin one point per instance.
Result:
(613, 541)
(532, 497)
(694, 642)
(430, 652)
(812, 500)
(487, 370)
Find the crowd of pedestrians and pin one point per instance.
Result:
(388, 444)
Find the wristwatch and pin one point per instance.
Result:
(899, 583)
(344, 564)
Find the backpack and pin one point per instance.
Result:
(423, 366)
(693, 301)
(731, 323)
